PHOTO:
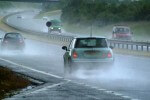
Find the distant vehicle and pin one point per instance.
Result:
(56, 26)
(13, 41)
(20, 17)
(87, 51)
(122, 32)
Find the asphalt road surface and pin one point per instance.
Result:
(129, 76)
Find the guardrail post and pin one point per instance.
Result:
(132, 47)
(142, 47)
(122, 46)
(59, 38)
(114, 45)
(65, 39)
(118, 45)
(127, 46)
(147, 48)
(137, 47)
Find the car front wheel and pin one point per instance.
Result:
(67, 68)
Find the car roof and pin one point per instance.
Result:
(12, 33)
(120, 26)
(89, 37)
(2, 33)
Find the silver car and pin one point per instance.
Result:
(122, 32)
(88, 51)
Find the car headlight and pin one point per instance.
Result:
(59, 28)
(52, 28)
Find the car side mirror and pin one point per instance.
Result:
(64, 48)
(111, 47)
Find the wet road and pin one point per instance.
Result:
(26, 21)
(129, 76)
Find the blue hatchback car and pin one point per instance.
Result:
(87, 51)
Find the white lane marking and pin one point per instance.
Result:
(102, 89)
(94, 87)
(117, 94)
(46, 88)
(109, 92)
(125, 96)
(90, 96)
(42, 72)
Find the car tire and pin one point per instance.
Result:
(67, 68)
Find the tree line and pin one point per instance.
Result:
(103, 12)
(5, 4)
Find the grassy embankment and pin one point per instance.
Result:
(141, 30)
(49, 14)
(10, 82)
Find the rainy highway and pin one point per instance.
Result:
(129, 75)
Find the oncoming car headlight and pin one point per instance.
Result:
(51, 28)
(59, 28)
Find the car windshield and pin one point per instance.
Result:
(122, 30)
(91, 43)
(13, 36)
(55, 23)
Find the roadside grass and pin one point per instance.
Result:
(10, 82)
(5, 27)
(49, 14)
(141, 30)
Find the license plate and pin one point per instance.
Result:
(92, 52)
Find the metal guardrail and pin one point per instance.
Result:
(131, 45)
(121, 44)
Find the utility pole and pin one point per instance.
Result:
(91, 33)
